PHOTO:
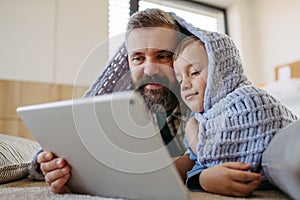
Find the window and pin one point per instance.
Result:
(118, 15)
(204, 17)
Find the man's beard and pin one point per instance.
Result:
(158, 100)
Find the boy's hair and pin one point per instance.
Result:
(183, 44)
(151, 17)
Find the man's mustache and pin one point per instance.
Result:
(155, 79)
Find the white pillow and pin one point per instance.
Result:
(16, 154)
(281, 160)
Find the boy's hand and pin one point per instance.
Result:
(55, 170)
(231, 179)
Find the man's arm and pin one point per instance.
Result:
(35, 172)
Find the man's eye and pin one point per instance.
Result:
(137, 59)
(165, 58)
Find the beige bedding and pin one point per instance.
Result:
(18, 152)
(33, 190)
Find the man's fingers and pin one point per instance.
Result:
(58, 186)
(54, 164)
(44, 156)
(56, 171)
(54, 175)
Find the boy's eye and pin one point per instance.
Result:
(195, 73)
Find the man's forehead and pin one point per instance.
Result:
(154, 38)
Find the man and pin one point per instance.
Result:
(151, 38)
(150, 52)
(150, 45)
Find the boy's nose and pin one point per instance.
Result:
(185, 85)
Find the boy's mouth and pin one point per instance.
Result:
(190, 96)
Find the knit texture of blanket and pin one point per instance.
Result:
(239, 119)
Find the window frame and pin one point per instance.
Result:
(134, 7)
(114, 41)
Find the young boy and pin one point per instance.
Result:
(233, 120)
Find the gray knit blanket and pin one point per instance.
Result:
(239, 119)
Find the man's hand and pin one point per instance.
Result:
(55, 170)
(231, 179)
(191, 133)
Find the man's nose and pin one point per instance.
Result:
(151, 68)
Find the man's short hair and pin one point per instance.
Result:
(151, 17)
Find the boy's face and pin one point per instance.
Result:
(150, 52)
(191, 72)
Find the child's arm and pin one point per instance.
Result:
(183, 165)
(231, 178)
(191, 133)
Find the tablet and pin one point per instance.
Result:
(112, 144)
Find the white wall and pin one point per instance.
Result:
(267, 33)
(47, 40)
(27, 31)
